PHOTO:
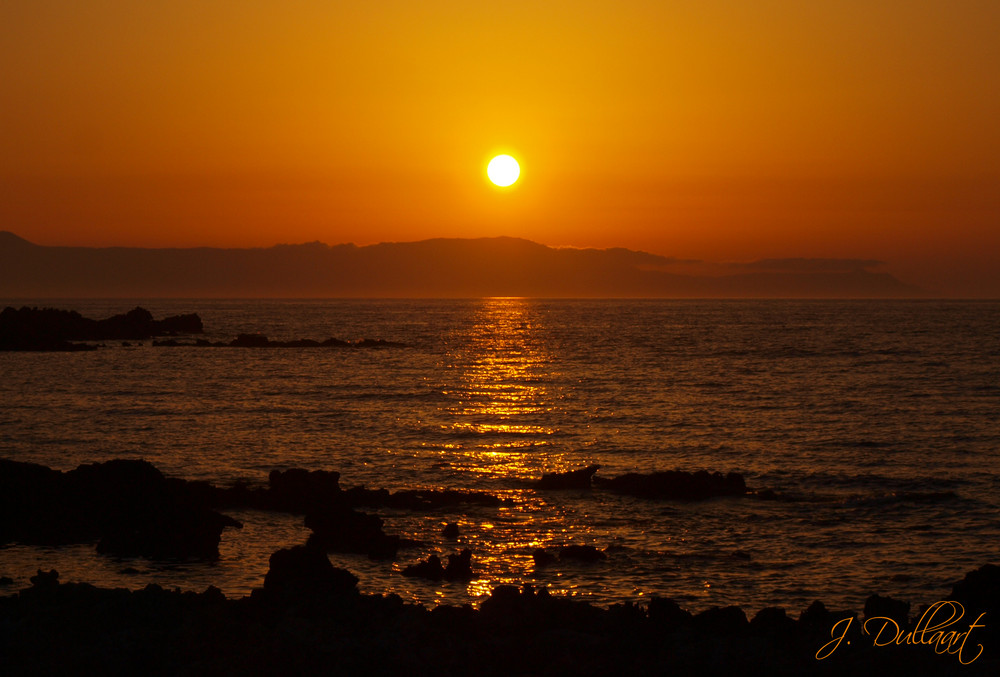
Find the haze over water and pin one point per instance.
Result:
(874, 422)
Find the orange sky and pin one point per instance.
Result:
(710, 129)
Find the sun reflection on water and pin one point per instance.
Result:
(502, 402)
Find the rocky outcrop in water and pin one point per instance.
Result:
(51, 329)
(261, 341)
(459, 568)
(128, 507)
(304, 571)
(572, 479)
(676, 484)
(337, 528)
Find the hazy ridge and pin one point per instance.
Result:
(445, 268)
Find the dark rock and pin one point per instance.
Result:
(573, 479)
(676, 484)
(299, 491)
(717, 621)
(581, 553)
(6, 580)
(338, 528)
(53, 329)
(377, 343)
(180, 324)
(430, 569)
(459, 566)
(450, 531)
(667, 614)
(543, 558)
(250, 341)
(773, 621)
(979, 591)
(817, 617)
(45, 579)
(303, 570)
(418, 499)
(877, 606)
(129, 507)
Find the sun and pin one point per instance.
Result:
(503, 170)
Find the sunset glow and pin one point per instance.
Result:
(713, 131)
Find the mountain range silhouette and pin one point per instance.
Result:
(444, 268)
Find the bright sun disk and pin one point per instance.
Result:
(503, 170)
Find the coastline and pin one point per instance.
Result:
(309, 618)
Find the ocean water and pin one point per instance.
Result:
(876, 423)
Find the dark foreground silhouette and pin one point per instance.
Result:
(131, 509)
(309, 619)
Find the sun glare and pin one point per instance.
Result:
(503, 170)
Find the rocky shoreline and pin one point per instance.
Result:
(309, 618)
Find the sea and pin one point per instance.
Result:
(876, 425)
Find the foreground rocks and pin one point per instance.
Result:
(128, 507)
(309, 618)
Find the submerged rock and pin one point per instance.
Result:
(573, 479)
(581, 553)
(459, 568)
(676, 484)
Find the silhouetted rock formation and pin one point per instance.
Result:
(419, 499)
(429, 568)
(128, 507)
(676, 484)
(581, 553)
(52, 329)
(543, 558)
(887, 607)
(261, 341)
(459, 568)
(310, 619)
(337, 528)
(570, 553)
(299, 491)
(304, 571)
(573, 479)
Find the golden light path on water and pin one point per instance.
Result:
(500, 413)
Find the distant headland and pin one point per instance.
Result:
(437, 268)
